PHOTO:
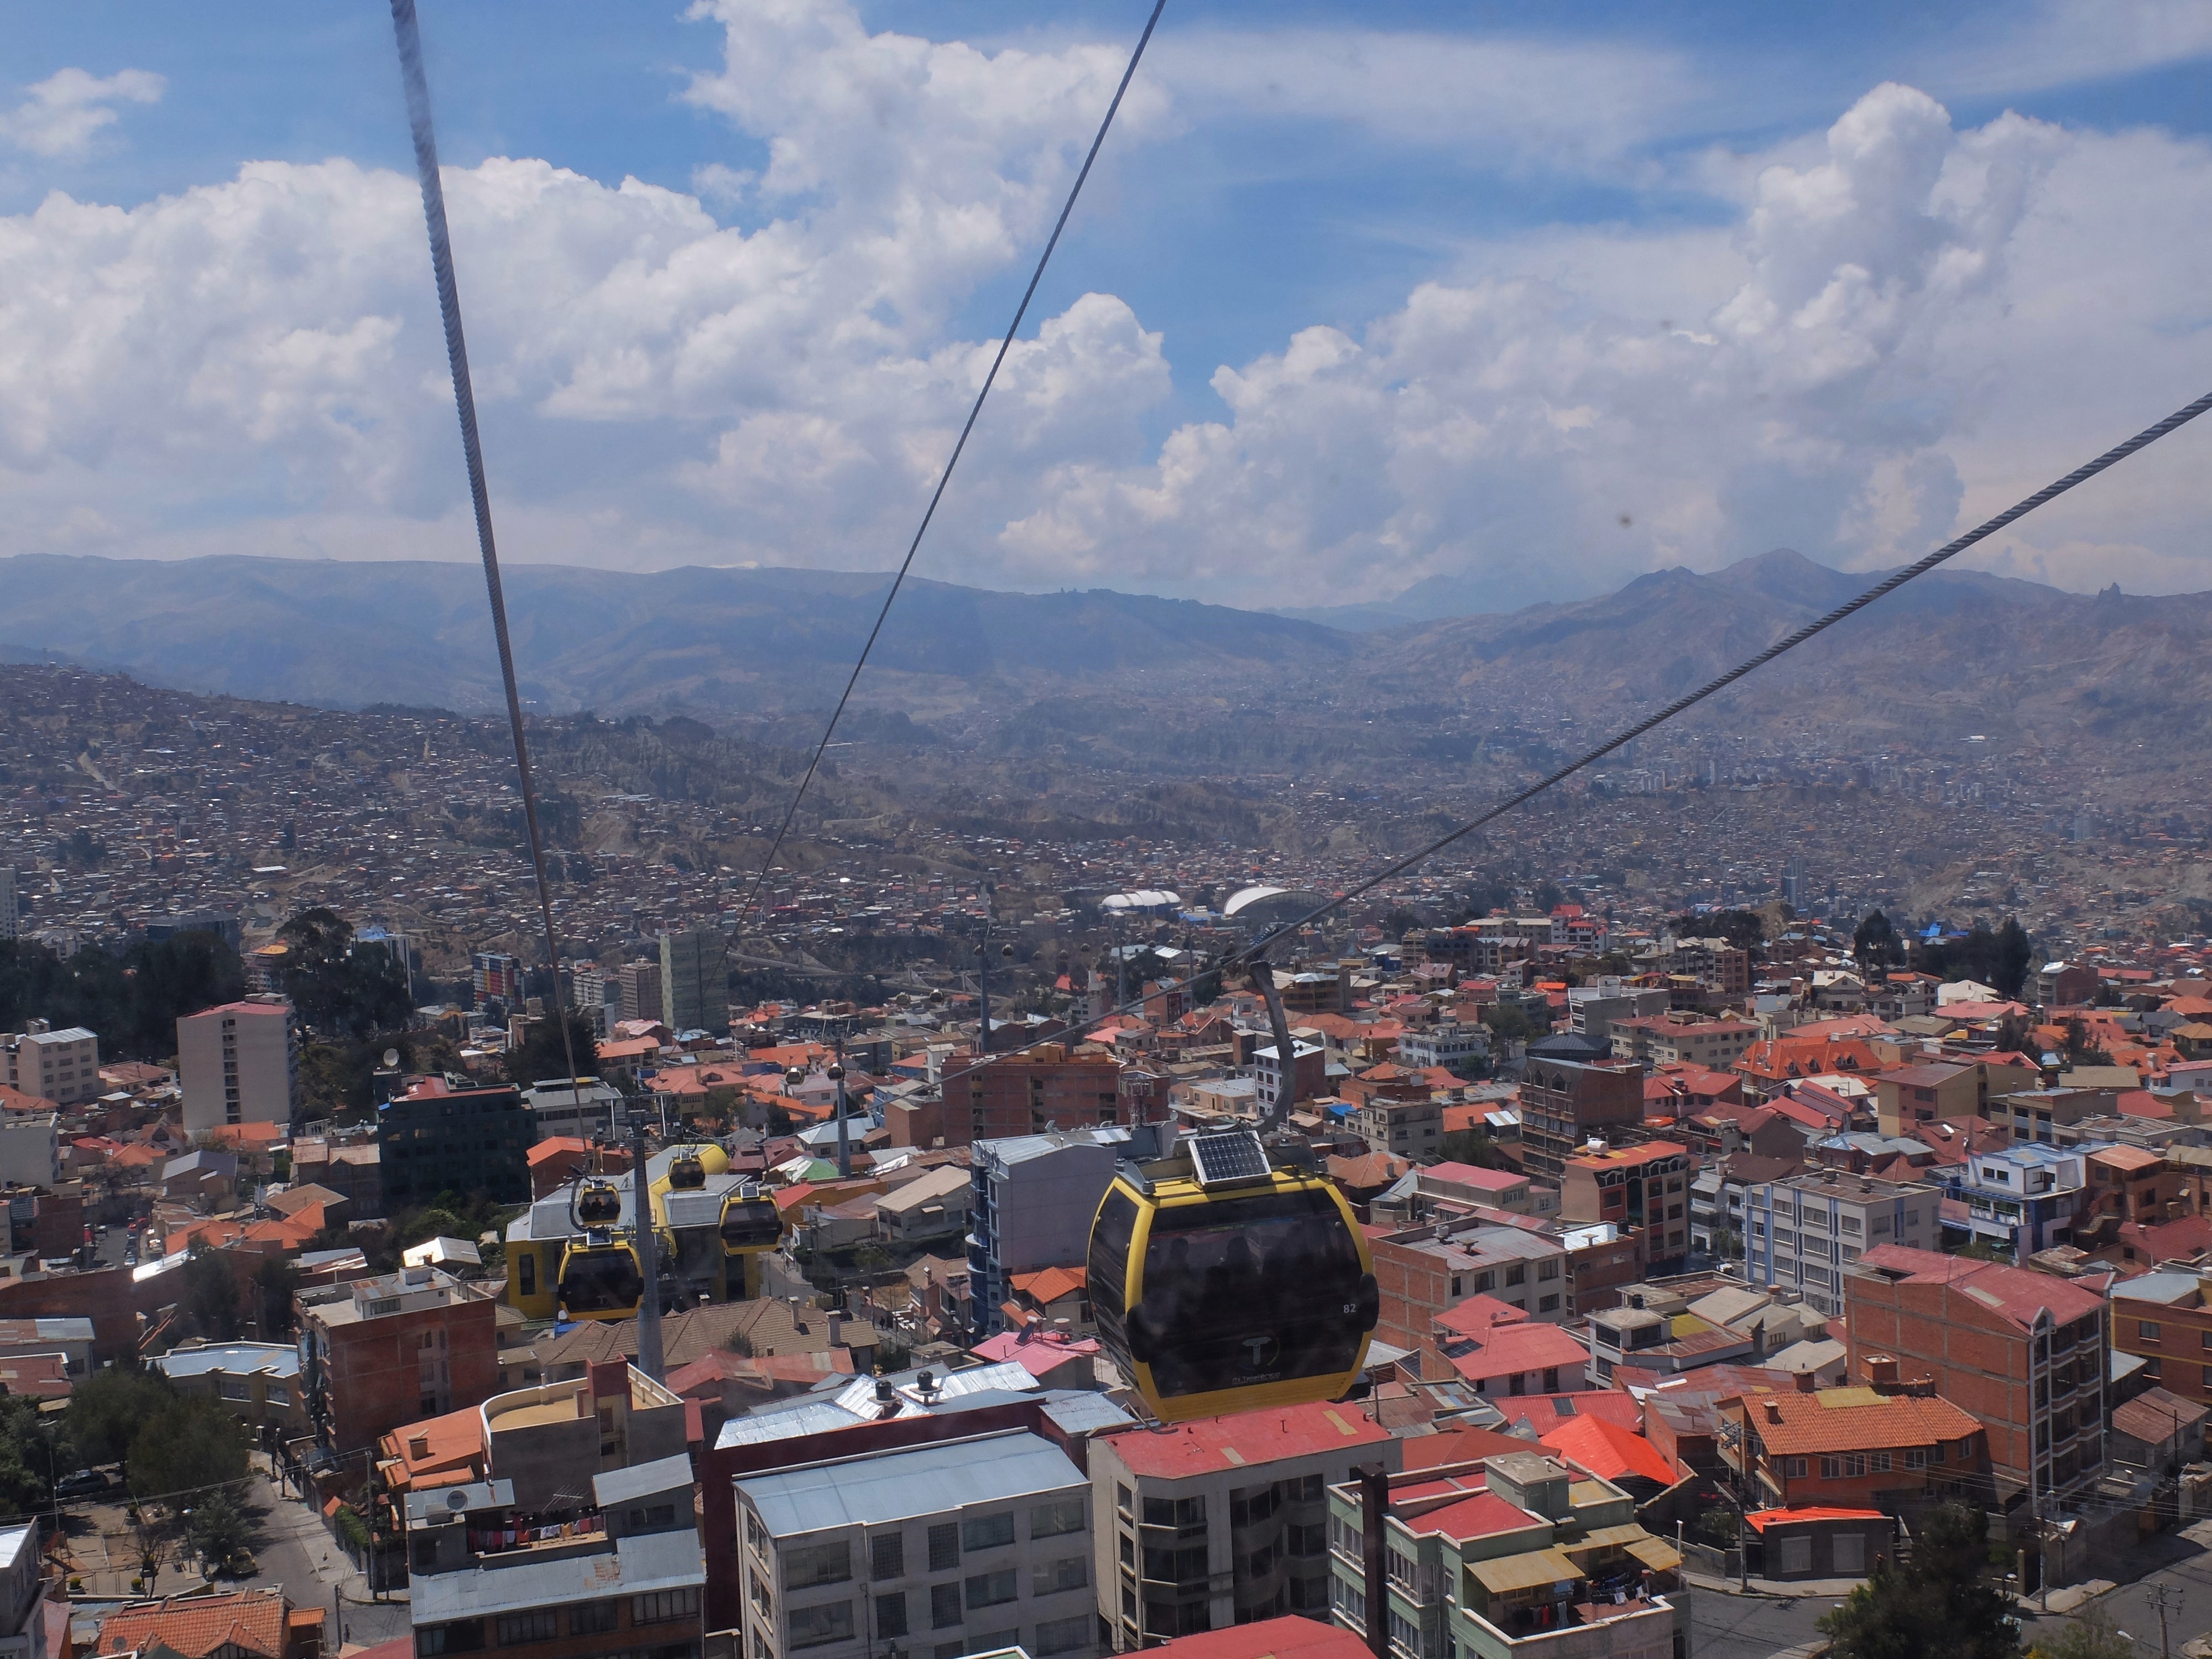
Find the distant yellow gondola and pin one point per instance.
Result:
(1220, 1283)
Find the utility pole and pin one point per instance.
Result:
(844, 1143)
(2167, 1598)
(647, 1238)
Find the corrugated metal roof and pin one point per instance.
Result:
(642, 1480)
(1527, 1572)
(238, 1359)
(889, 1486)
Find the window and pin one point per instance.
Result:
(944, 1606)
(1063, 1515)
(1549, 1269)
(1912, 1217)
(594, 1618)
(887, 1555)
(1517, 1274)
(755, 1533)
(462, 1636)
(1551, 1379)
(890, 1615)
(814, 1627)
(988, 1532)
(660, 1515)
(1793, 1468)
(1843, 1466)
(1063, 1635)
(1486, 1281)
(1070, 1572)
(1548, 1305)
(1915, 1457)
(818, 1564)
(991, 1589)
(1129, 1550)
(666, 1606)
(284, 1396)
(542, 1625)
(944, 1547)
(1124, 1499)
(2146, 1330)
(1881, 1462)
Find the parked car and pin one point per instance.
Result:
(85, 1482)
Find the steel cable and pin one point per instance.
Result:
(943, 479)
(409, 37)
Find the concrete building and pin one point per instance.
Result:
(577, 1539)
(1642, 1190)
(1312, 1060)
(258, 1382)
(1805, 1231)
(971, 1545)
(581, 1111)
(1031, 1201)
(9, 926)
(2026, 1198)
(1517, 1555)
(239, 1063)
(1682, 1038)
(1593, 1008)
(1222, 1521)
(63, 1066)
(381, 1352)
(2023, 1352)
(22, 1595)
(1410, 1129)
(694, 987)
(640, 985)
(1457, 1048)
(30, 1149)
(2162, 1332)
(446, 1134)
(1565, 1102)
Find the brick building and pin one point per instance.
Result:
(381, 1352)
(249, 1623)
(1642, 1190)
(1423, 1271)
(1565, 1102)
(1847, 1447)
(1027, 1094)
(2023, 1352)
(2162, 1320)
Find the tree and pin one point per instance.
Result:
(1510, 1023)
(2082, 1049)
(1875, 946)
(1937, 1602)
(192, 1442)
(541, 1054)
(208, 1294)
(215, 1530)
(2089, 1634)
(341, 987)
(1471, 1147)
(2014, 956)
(1744, 929)
(108, 1407)
(277, 1280)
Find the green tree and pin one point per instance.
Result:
(1744, 929)
(542, 1055)
(1471, 1147)
(1875, 946)
(1936, 1603)
(208, 1295)
(107, 1409)
(340, 986)
(192, 1442)
(215, 1530)
(1511, 1024)
(2016, 954)
(2089, 1634)
(275, 1282)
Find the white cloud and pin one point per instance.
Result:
(2059, 43)
(1906, 325)
(67, 110)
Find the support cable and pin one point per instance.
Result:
(943, 479)
(1258, 948)
(465, 402)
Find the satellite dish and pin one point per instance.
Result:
(457, 1500)
(391, 1056)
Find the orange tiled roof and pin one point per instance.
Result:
(1050, 1284)
(252, 1619)
(1854, 1419)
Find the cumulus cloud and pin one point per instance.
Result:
(66, 111)
(1903, 324)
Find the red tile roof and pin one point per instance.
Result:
(1209, 1443)
(1292, 1638)
(1854, 1419)
(1760, 1520)
(1457, 1445)
(1549, 1411)
(1610, 1451)
(1479, 1516)
(252, 1619)
(2016, 1292)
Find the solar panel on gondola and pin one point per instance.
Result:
(1227, 1158)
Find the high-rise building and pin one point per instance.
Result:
(63, 1066)
(695, 991)
(641, 990)
(436, 1140)
(7, 900)
(381, 1352)
(1566, 1098)
(495, 975)
(239, 1063)
(1030, 1202)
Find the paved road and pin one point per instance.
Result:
(292, 1547)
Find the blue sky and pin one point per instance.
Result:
(1371, 292)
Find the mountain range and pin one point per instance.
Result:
(1956, 653)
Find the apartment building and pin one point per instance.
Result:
(257, 1382)
(10, 928)
(1517, 1555)
(1854, 1448)
(1410, 1129)
(1566, 1101)
(969, 1546)
(447, 1134)
(1458, 1049)
(1422, 1271)
(575, 1536)
(1593, 1008)
(1804, 1231)
(583, 1109)
(1222, 1521)
(694, 985)
(1642, 1190)
(2022, 1351)
(1470, 1184)
(1682, 1038)
(1031, 1201)
(22, 1594)
(639, 983)
(2162, 1332)
(1046, 1087)
(383, 1352)
(1311, 1060)
(2026, 1198)
(63, 1066)
(239, 1063)
(494, 974)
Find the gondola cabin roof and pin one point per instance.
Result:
(1206, 1445)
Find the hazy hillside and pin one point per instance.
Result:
(718, 641)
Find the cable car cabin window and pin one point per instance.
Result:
(1109, 1256)
(601, 1281)
(527, 1272)
(1243, 1290)
(751, 1224)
